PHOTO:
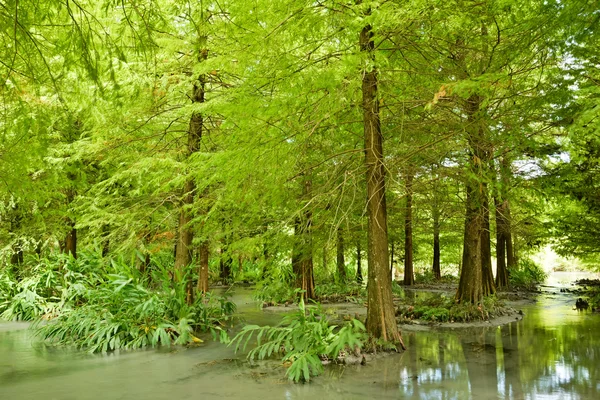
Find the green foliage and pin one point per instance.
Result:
(102, 305)
(303, 339)
(445, 309)
(528, 275)
(340, 292)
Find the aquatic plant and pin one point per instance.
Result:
(303, 339)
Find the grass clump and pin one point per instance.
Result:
(445, 309)
(303, 339)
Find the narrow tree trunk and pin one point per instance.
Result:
(437, 273)
(392, 259)
(302, 254)
(487, 277)
(203, 269)
(409, 275)
(341, 263)
(71, 240)
(105, 240)
(183, 253)
(501, 271)
(359, 277)
(381, 320)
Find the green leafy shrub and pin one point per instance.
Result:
(103, 305)
(337, 291)
(124, 314)
(528, 275)
(303, 339)
(445, 309)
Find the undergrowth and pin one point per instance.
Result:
(303, 339)
(445, 309)
(528, 275)
(102, 305)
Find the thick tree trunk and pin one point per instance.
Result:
(437, 273)
(381, 320)
(341, 263)
(203, 268)
(185, 237)
(409, 275)
(359, 277)
(470, 288)
(302, 254)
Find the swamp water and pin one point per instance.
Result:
(553, 353)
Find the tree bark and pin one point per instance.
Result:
(409, 275)
(470, 288)
(203, 268)
(359, 277)
(487, 277)
(302, 253)
(501, 271)
(71, 240)
(381, 320)
(437, 273)
(185, 236)
(341, 263)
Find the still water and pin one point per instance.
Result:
(553, 353)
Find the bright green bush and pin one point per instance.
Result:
(303, 339)
(104, 305)
(528, 275)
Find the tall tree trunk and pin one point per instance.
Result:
(409, 275)
(302, 254)
(203, 268)
(341, 263)
(392, 249)
(359, 277)
(437, 273)
(185, 237)
(470, 288)
(487, 277)
(381, 320)
(501, 271)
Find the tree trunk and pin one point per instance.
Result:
(381, 320)
(302, 254)
(437, 273)
(225, 264)
(409, 275)
(359, 277)
(470, 288)
(487, 277)
(203, 269)
(341, 263)
(183, 253)
(105, 240)
(501, 271)
(71, 240)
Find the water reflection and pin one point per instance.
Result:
(551, 354)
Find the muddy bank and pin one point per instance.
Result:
(338, 312)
